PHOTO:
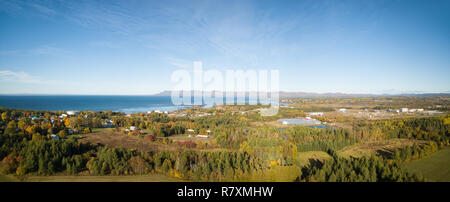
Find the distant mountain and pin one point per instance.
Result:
(164, 93)
(335, 95)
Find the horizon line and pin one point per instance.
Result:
(164, 91)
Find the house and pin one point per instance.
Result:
(434, 112)
(342, 110)
(202, 136)
(404, 110)
(190, 130)
(108, 124)
(300, 121)
(72, 113)
(54, 137)
(132, 128)
(413, 110)
(315, 113)
(208, 131)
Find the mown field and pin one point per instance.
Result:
(117, 139)
(309, 157)
(142, 178)
(63, 178)
(381, 147)
(435, 168)
(4, 178)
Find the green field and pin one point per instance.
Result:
(96, 130)
(142, 178)
(5, 178)
(435, 168)
(306, 158)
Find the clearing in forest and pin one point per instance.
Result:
(381, 147)
(310, 157)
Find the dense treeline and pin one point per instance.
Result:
(431, 128)
(417, 151)
(372, 169)
(43, 157)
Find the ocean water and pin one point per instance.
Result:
(127, 104)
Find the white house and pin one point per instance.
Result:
(315, 113)
(404, 110)
(413, 110)
(190, 130)
(108, 123)
(203, 136)
(342, 110)
(132, 128)
(71, 113)
(54, 137)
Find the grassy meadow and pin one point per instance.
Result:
(435, 168)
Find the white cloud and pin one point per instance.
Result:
(104, 44)
(25, 78)
(20, 77)
(47, 50)
(42, 50)
(180, 63)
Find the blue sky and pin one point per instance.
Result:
(132, 47)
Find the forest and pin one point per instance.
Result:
(239, 150)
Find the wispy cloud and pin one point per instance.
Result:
(19, 77)
(42, 50)
(104, 44)
(26, 78)
(18, 7)
(48, 50)
(180, 63)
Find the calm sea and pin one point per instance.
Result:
(127, 104)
